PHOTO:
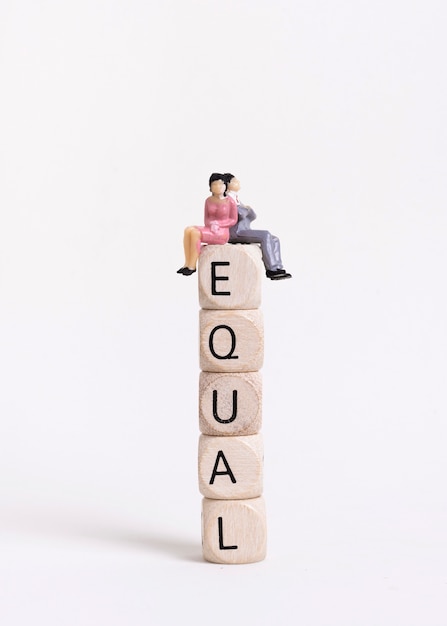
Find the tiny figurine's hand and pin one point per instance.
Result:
(214, 226)
(251, 214)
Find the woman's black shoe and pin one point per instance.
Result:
(186, 271)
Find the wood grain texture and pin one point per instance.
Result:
(231, 468)
(230, 276)
(230, 404)
(231, 341)
(234, 531)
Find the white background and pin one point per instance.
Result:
(112, 116)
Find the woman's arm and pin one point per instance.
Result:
(232, 214)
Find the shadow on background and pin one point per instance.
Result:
(52, 524)
(151, 541)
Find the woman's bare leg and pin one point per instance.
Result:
(191, 245)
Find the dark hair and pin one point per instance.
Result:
(215, 177)
(227, 178)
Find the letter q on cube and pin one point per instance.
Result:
(231, 341)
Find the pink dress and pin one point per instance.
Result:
(224, 214)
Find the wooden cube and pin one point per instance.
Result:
(231, 468)
(230, 404)
(231, 341)
(230, 276)
(234, 531)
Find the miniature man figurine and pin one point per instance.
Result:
(241, 232)
(220, 214)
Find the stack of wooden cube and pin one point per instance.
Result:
(230, 404)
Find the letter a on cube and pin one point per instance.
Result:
(231, 468)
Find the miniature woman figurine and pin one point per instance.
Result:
(242, 233)
(220, 214)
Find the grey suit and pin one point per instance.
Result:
(241, 232)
